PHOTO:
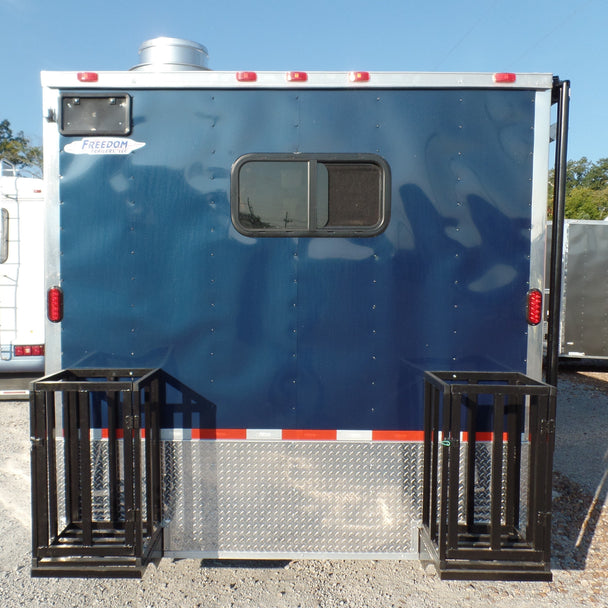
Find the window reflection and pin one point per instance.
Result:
(274, 195)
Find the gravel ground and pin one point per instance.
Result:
(580, 542)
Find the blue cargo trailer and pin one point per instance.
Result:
(293, 251)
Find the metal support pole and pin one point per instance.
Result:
(561, 92)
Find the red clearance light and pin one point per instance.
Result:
(502, 77)
(246, 76)
(55, 304)
(88, 76)
(534, 311)
(297, 76)
(358, 76)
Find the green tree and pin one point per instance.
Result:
(576, 173)
(597, 175)
(585, 203)
(18, 150)
(586, 189)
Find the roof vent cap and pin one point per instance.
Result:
(171, 54)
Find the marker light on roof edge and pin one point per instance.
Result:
(246, 76)
(297, 76)
(88, 76)
(358, 76)
(505, 77)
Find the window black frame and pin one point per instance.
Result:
(325, 231)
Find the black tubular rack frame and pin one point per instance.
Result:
(509, 538)
(69, 536)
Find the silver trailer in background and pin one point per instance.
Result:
(584, 295)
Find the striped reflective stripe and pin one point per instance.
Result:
(291, 435)
(398, 435)
(272, 435)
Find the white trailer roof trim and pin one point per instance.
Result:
(291, 79)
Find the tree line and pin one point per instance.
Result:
(18, 149)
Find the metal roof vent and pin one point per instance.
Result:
(171, 54)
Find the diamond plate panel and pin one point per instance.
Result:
(60, 480)
(100, 493)
(99, 472)
(483, 481)
(292, 497)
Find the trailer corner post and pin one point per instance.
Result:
(561, 95)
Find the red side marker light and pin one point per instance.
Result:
(297, 76)
(246, 76)
(55, 304)
(504, 77)
(358, 76)
(534, 311)
(88, 76)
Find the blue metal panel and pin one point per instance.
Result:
(303, 333)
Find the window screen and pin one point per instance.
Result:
(310, 195)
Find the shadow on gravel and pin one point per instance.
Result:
(575, 518)
(576, 512)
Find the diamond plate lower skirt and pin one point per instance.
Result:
(290, 499)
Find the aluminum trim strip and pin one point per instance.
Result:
(50, 138)
(540, 169)
(217, 79)
(288, 555)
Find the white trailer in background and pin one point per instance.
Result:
(22, 300)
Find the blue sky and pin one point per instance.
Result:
(565, 37)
